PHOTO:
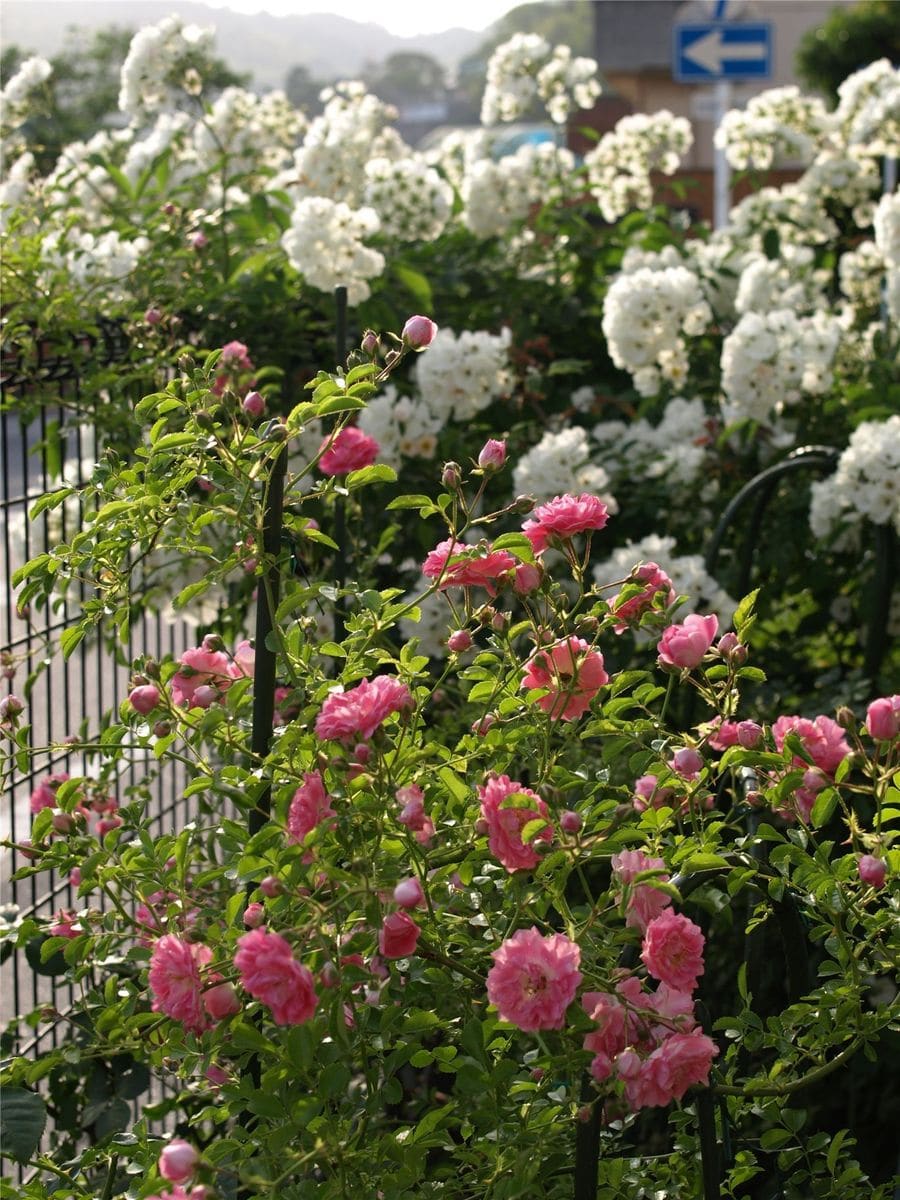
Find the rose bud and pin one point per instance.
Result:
(408, 893)
(872, 870)
(253, 405)
(418, 333)
(178, 1161)
(144, 699)
(570, 821)
(254, 915)
(492, 455)
(459, 640)
(271, 887)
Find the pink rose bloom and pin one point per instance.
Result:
(178, 1161)
(176, 983)
(883, 718)
(528, 579)
(571, 673)
(658, 592)
(505, 824)
(44, 795)
(310, 806)
(534, 979)
(563, 517)
(871, 870)
(243, 661)
(457, 565)
(349, 450)
(684, 645)
(65, 924)
(682, 1060)
(645, 902)
(419, 332)
(354, 715)
(687, 763)
(235, 356)
(398, 935)
(609, 1038)
(412, 814)
(672, 950)
(823, 739)
(724, 733)
(270, 973)
(207, 669)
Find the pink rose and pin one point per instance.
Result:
(570, 821)
(672, 950)
(235, 356)
(883, 718)
(684, 645)
(176, 983)
(459, 641)
(723, 733)
(455, 564)
(349, 450)
(66, 924)
(398, 935)
(822, 738)
(609, 1038)
(418, 333)
(572, 675)
(645, 902)
(682, 1060)
(310, 806)
(872, 870)
(528, 579)
(144, 699)
(534, 979)
(492, 455)
(356, 714)
(563, 517)
(408, 893)
(44, 795)
(201, 668)
(253, 405)
(749, 734)
(254, 915)
(687, 763)
(505, 823)
(221, 1001)
(270, 973)
(658, 592)
(178, 1161)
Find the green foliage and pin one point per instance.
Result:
(849, 38)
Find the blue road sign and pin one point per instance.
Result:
(722, 50)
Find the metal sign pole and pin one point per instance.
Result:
(721, 166)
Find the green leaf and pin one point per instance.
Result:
(823, 809)
(23, 1116)
(745, 611)
(517, 544)
(51, 500)
(377, 473)
(703, 862)
(416, 284)
(69, 639)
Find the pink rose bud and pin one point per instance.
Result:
(481, 827)
(570, 821)
(687, 762)
(204, 483)
(872, 870)
(178, 1161)
(362, 753)
(408, 893)
(749, 734)
(254, 405)
(483, 724)
(153, 316)
(528, 578)
(216, 1075)
(63, 822)
(370, 343)
(221, 1001)
(11, 706)
(199, 239)
(168, 208)
(492, 455)
(685, 645)
(883, 718)
(328, 976)
(459, 640)
(204, 696)
(451, 476)
(271, 887)
(75, 877)
(418, 333)
(162, 728)
(499, 621)
(537, 1074)
(398, 936)
(254, 915)
(731, 649)
(144, 699)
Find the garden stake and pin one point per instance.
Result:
(340, 502)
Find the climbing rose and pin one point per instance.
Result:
(235, 356)
(175, 981)
(221, 1001)
(355, 715)
(505, 824)
(534, 979)
(178, 1161)
(144, 699)
(350, 450)
(571, 673)
(492, 455)
(419, 332)
(202, 668)
(682, 1060)
(822, 738)
(563, 517)
(684, 645)
(408, 893)
(310, 805)
(270, 973)
(457, 565)
(44, 795)
(658, 590)
(608, 1039)
(398, 935)
(645, 901)
(883, 718)
(673, 950)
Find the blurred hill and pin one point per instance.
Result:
(264, 46)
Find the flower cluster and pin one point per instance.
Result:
(866, 483)
(412, 201)
(162, 63)
(777, 125)
(463, 373)
(326, 244)
(559, 463)
(619, 166)
(499, 194)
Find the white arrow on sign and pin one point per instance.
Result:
(710, 51)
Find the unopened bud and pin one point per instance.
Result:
(570, 821)
(846, 717)
(153, 316)
(451, 476)
(11, 706)
(253, 405)
(459, 640)
(371, 343)
(492, 455)
(418, 333)
(271, 887)
(522, 505)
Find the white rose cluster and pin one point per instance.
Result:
(675, 449)
(16, 94)
(14, 186)
(161, 65)
(326, 244)
(770, 359)
(866, 483)
(412, 201)
(498, 194)
(254, 131)
(868, 111)
(887, 241)
(403, 427)
(778, 125)
(646, 315)
(102, 261)
(526, 67)
(688, 573)
(463, 373)
(619, 165)
(560, 463)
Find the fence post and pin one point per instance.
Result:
(340, 502)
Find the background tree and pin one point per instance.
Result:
(302, 89)
(408, 77)
(848, 39)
